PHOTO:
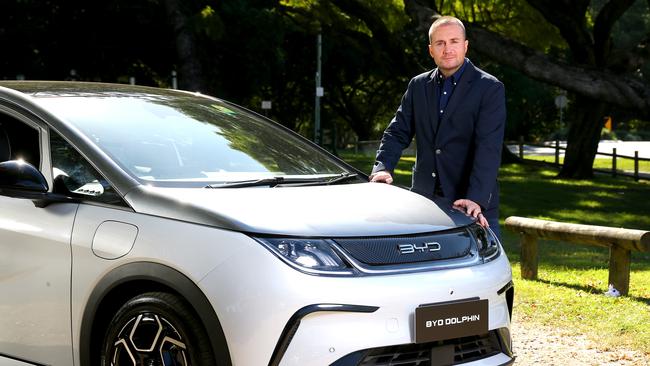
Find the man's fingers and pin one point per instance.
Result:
(482, 220)
(381, 177)
(473, 209)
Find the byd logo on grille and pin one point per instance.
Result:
(421, 248)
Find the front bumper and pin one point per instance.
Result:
(256, 296)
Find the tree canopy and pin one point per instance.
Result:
(252, 50)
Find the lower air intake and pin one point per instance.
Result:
(449, 352)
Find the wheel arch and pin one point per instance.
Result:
(131, 279)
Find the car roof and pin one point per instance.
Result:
(44, 89)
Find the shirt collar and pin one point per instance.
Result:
(455, 76)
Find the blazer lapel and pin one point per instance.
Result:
(432, 102)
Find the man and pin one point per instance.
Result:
(457, 114)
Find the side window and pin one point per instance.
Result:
(73, 175)
(18, 141)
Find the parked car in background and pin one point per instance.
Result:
(143, 226)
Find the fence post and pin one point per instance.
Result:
(636, 165)
(557, 152)
(529, 257)
(619, 268)
(521, 147)
(613, 162)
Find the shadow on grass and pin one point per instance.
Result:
(588, 289)
(531, 191)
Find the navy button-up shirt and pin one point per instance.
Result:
(445, 87)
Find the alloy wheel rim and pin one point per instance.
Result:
(149, 339)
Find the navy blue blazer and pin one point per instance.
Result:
(465, 153)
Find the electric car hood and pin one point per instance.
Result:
(363, 209)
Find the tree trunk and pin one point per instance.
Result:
(507, 157)
(190, 75)
(584, 135)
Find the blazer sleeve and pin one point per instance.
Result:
(488, 142)
(398, 134)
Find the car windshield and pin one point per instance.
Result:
(184, 139)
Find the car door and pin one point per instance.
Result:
(35, 257)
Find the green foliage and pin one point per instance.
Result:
(633, 130)
(361, 84)
(513, 18)
(207, 21)
(254, 50)
(47, 39)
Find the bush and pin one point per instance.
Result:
(606, 134)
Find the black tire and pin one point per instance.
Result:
(156, 329)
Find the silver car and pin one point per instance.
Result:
(143, 226)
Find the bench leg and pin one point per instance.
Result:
(529, 257)
(619, 268)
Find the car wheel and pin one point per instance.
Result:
(156, 329)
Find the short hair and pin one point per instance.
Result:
(445, 20)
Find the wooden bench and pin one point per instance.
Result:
(621, 242)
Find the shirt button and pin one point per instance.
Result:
(433, 175)
(441, 111)
(438, 151)
(444, 93)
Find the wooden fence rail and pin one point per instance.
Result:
(621, 242)
(614, 171)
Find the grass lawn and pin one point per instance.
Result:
(626, 165)
(572, 278)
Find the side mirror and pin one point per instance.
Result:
(19, 179)
(17, 176)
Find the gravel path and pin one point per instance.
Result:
(535, 345)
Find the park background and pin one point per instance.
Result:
(576, 74)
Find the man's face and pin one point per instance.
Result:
(448, 48)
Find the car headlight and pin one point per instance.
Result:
(314, 256)
(487, 242)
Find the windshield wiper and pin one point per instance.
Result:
(272, 182)
(293, 181)
(323, 180)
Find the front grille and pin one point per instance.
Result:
(409, 249)
(449, 352)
